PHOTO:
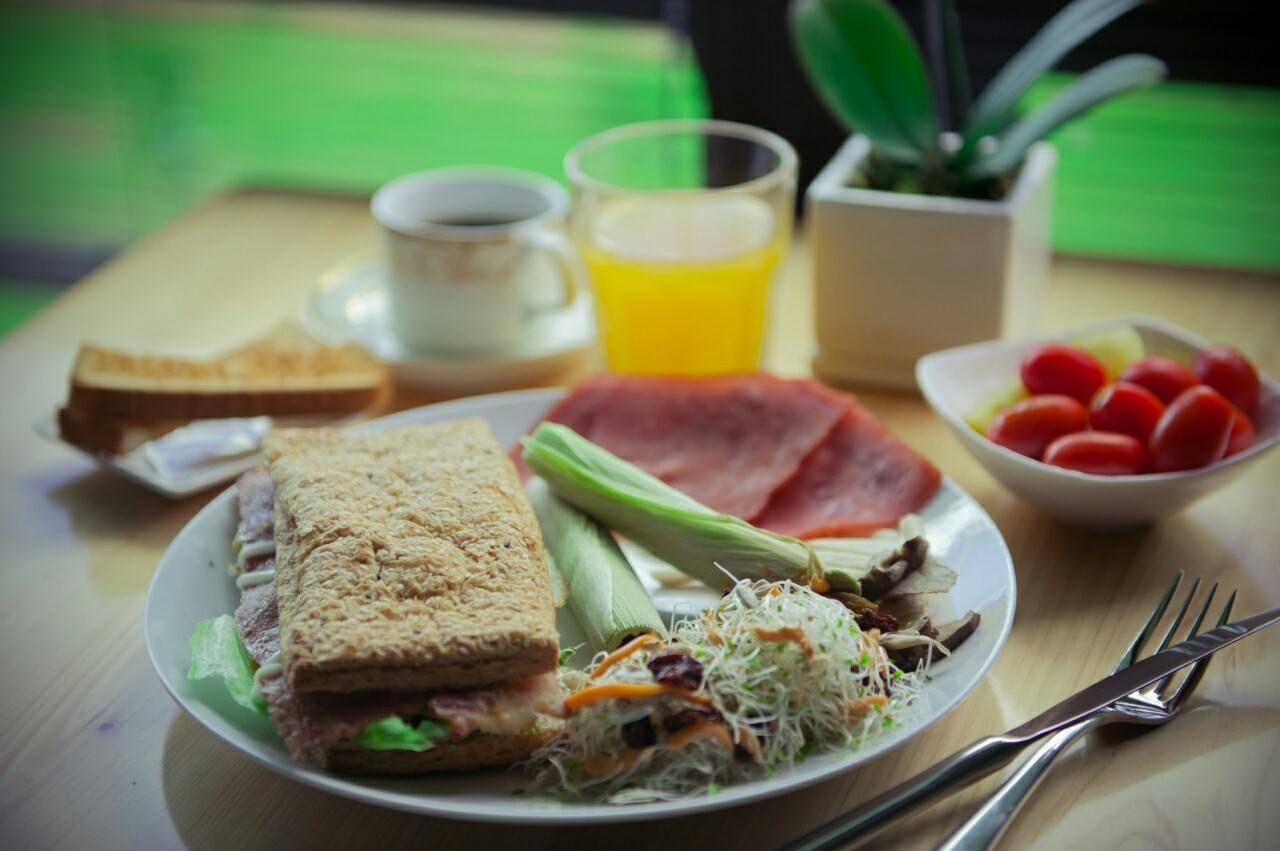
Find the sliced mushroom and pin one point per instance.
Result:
(911, 611)
(933, 577)
(954, 633)
(874, 569)
(907, 651)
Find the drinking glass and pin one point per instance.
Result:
(682, 224)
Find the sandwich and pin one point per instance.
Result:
(395, 600)
(119, 400)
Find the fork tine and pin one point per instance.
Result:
(1131, 655)
(1226, 612)
(1191, 633)
(1195, 626)
(1173, 627)
(1188, 685)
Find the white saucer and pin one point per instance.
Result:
(350, 305)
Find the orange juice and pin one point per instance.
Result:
(682, 284)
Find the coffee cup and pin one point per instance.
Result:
(461, 250)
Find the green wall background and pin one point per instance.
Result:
(114, 122)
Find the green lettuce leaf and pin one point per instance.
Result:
(216, 651)
(396, 734)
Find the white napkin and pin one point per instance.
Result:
(203, 443)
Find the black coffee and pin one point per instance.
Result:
(476, 221)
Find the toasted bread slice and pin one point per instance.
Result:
(103, 434)
(284, 374)
(408, 559)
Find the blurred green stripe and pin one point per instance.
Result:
(120, 121)
(1183, 173)
(113, 123)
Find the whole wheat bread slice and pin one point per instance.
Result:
(284, 374)
(120, 400)
(408, 559)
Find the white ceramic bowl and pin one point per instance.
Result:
(955, 381)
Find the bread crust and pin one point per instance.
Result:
(408, 559)
(116, 437)
(133, 407)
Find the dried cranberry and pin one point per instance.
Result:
(876, 620)
(692, 715)
(677, 669)
(639, 733)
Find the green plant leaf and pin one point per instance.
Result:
(994, 108)
(947, 63)
(1102, 83)
(868, 70)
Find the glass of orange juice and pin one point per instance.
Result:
(682, 224)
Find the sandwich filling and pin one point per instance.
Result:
(312, 723)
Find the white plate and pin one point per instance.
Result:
(350, 305)
(191, 584)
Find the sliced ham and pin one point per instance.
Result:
(311, 723)
(859, 478)
(258, 621)
(255, 495)
(729, 442)
(791, 456)
(506, 711)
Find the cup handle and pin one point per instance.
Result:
(573, 275)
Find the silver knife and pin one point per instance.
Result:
(986, 755)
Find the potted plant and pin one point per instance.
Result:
(930, 226)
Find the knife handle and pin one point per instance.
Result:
(978, 760)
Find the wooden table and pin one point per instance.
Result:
(95, 754)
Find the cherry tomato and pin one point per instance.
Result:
(1230, 373)
(1059, 368)
(1163, 377)
(1027, 427)
(1127, 408)
(1192, 432)
(1103, 453)
(1242, 434)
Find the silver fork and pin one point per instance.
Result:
(1151, 707)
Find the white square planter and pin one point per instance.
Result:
(897, 275)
